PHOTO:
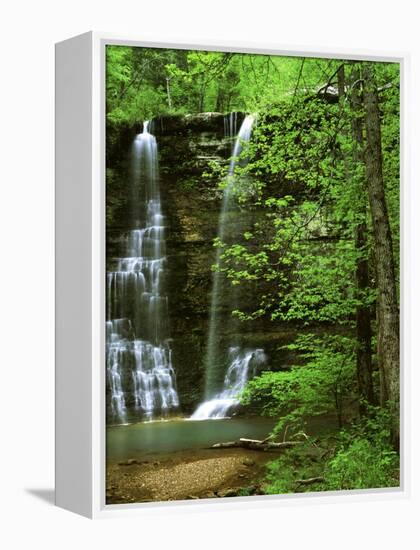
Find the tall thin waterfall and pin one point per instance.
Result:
(219, 402)
(139, 364)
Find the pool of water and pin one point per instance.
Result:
(151, 438)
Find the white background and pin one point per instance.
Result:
(29, 30)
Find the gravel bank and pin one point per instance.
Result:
(186, 475)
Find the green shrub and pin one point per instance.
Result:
(365, 458)
(360, 457)
(362, 465)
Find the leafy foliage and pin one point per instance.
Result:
(360, 458)
(321, 386)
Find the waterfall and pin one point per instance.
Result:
(242, 367)
(227, 218)
(219, 402)
(139, 362)
(231, 125)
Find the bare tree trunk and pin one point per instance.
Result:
(363, 323)
(168, 92)
(341, 77)
(219, 101)
(201, 98)
(388, 314)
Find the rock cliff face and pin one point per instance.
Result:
(191, 201)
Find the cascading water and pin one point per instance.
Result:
(243, 366)
(231, 125)
(219, 403)
(139, 363)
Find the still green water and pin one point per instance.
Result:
(151, 438)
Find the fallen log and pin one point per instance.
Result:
(226, 445)
(255, 444)
(310, 480)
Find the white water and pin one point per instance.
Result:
(219, 404)
(231, 125)
(115, 357)
(228, 205)
(139, 363)
(242, 367)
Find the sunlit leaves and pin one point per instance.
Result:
(323, 384)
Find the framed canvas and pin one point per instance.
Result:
(228, 273)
